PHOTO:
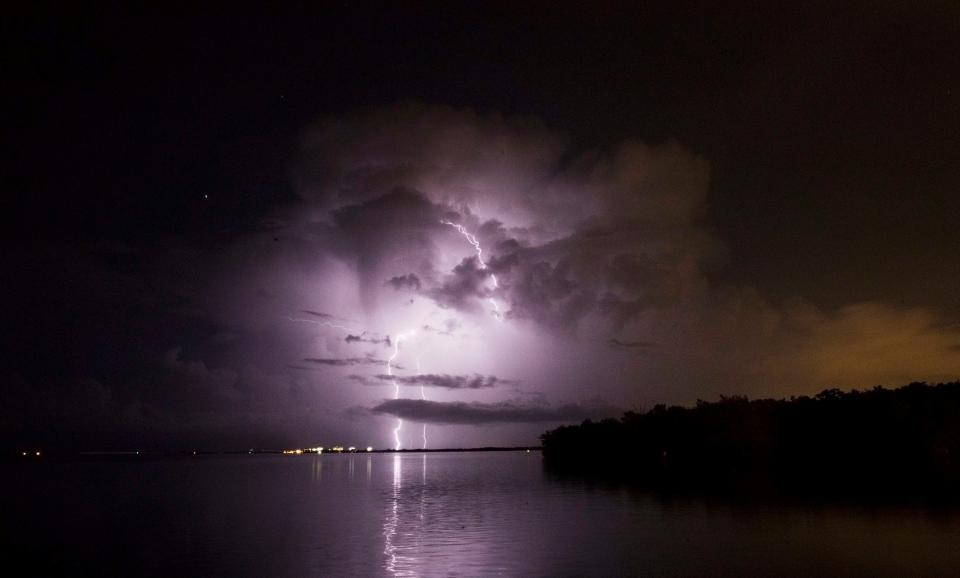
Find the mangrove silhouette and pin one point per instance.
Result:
(904, 441)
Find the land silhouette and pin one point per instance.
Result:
(878, 442)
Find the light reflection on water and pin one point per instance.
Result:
(317, 469)
(392, 519)
(437, 514)
(404, 532)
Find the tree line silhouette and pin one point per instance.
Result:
(875, 441)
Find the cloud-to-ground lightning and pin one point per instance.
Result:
(472, 239)
(396, 386)
(422, 397)
(405, 336)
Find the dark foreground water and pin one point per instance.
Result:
(442, 514)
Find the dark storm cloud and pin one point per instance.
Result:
(399, 208)
(325, 316)
(613, 240)
(613, 233)
(547, 293)
(506, 260)
(446, 381)
(354, 159)
(583, 246)
(820, 252)
(409, 282)
(378, 233)
(364, 338)
(462, 288)
(477, 413)
(345, 361)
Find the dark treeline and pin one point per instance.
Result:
(881, 441)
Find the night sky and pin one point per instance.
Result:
(228, 229)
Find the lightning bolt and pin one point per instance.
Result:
(472, 239)
(400, 338)
(422, 396)
(396, 386)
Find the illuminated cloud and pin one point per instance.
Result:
(463, 288)
(604, 261)
(604, 246)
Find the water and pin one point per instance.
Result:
(438, 514)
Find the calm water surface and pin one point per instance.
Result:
(439, 514)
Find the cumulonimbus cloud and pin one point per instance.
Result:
(596, 254)
(616, 240)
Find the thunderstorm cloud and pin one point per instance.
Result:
(610, 240)
(586, 254)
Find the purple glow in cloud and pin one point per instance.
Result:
(600, 264)
(587, 258)
(472, 239)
